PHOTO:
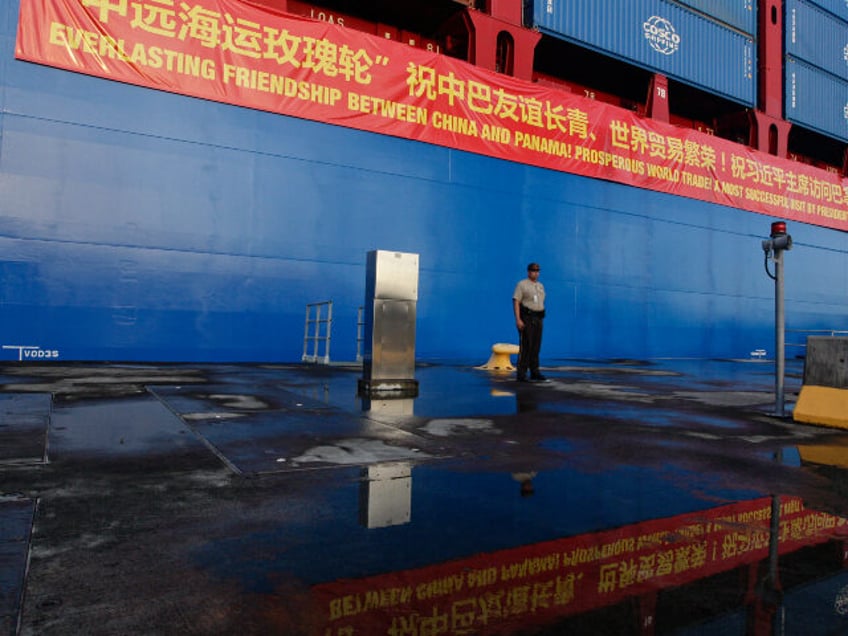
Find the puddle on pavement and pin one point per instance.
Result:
(586, 538)
(466, 391)
(456, 549)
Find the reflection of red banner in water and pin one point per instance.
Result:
(491, 593)
(238, 53)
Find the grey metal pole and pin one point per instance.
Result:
(774, 543)
(779, 335)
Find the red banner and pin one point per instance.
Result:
(248, 55)
(491, 593)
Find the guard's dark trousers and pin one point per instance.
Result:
(531, 343)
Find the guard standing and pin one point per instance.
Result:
(528, 303)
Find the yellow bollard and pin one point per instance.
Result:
(500, 358)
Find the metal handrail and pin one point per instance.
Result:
(316, 331)
(814, 332)
(360, 330)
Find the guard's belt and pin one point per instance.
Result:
(526, 311)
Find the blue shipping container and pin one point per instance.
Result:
(838, 8)
(660, 36)
(817, 37)
(740, 14)
(815, 99)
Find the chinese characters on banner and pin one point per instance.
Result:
(237, 53)
(545, 581)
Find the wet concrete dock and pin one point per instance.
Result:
(622, 497)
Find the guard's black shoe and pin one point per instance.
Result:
(538, 378)
(521, 378)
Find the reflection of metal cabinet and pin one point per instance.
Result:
(391, 296)
(385, 495)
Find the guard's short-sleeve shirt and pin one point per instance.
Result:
(530, 294)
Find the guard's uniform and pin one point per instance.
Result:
(531, 298)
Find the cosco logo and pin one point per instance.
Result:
(661, 35)
(29, 352)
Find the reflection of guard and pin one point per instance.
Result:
(526, 481)
(526, 401)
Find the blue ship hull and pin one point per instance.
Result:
(138, 225)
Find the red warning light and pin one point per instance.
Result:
(777, 228)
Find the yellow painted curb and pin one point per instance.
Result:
(822, 405)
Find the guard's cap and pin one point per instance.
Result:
(533, 267)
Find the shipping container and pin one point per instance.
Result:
(659, 36)
(816, 99)
(331, 17)
(817, 37)
(740, 14)
(388, 31)
(839, 8)
(342, 19)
